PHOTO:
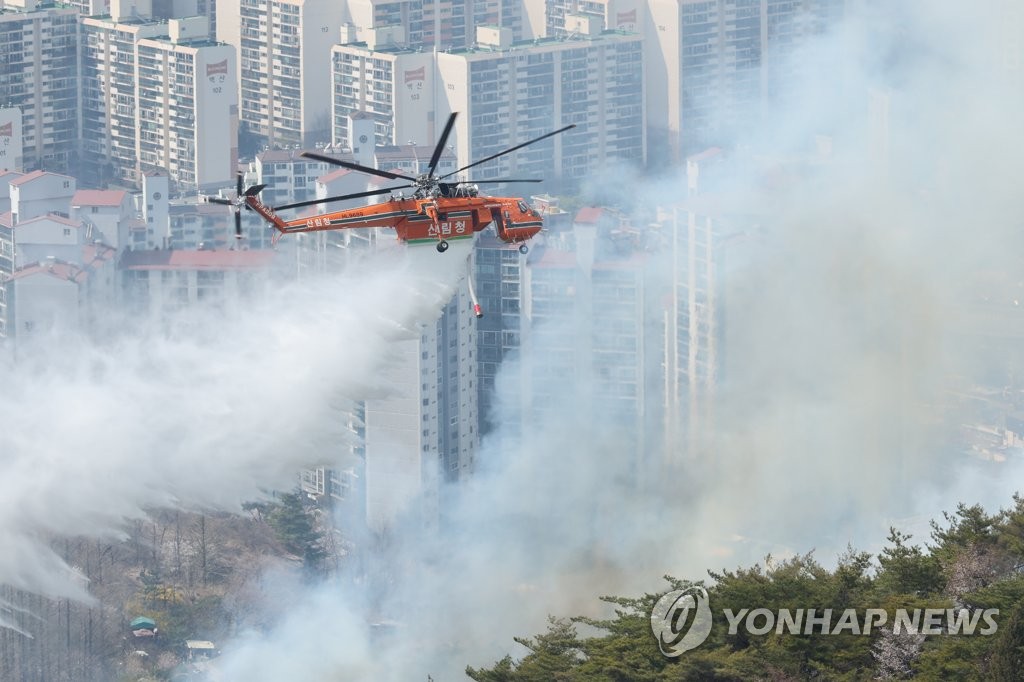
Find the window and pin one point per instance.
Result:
(67, 231)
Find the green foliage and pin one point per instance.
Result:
(967, 527)
(907, 569)
(552, 657)
(295, 529)
(974, 564)
(1007, 662)
(1010, 531)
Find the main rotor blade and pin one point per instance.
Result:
(355, 166)
(238, 223)
(439, 147)
(511, 149)
(357, 195)
(492, 182)
(218, 200)
(238, 192)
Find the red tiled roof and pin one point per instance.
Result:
(334, 175)
(95, 253)
(28, 177)
(197, 260)
(589, 215)
(98, 197)
(61, 220)
(56, 268)
(295, 155)
(7, 219)
(555, 258)
(709, 153)
(35, 175)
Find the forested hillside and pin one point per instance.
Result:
(972, 560)
(196, 575)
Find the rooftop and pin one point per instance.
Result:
(98, 197)
(334, 175)
(295, 155)
(54, 267)
(180, 259)
(60, 220)
(589, 215)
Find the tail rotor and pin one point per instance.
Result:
(237, 202)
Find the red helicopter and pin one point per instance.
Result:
(436, 212)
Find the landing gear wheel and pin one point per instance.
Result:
(524, 249)
(442, 246)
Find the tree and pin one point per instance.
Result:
(295, 529)
(905, 569)
(1007, 662)
(552, 657)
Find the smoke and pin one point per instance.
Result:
(223, 405)
(850, 311)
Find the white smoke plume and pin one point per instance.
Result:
(844, 331)
(846, 326)
(207, 414)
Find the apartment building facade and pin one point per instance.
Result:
(39, 70)
(158, 95)
(283, 71)
(722, 64)
(506, 93)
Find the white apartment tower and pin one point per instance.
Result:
(718, 64)
(509, 93)
(426, 432)
(188, 108)
(158, 95)
(284, 65)
(393, 86)
(505, 93)
(444, 25)
(110, 99)
(39, 76)
(588, 339)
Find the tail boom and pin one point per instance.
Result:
(253, 202)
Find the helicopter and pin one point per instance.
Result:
(437, 211)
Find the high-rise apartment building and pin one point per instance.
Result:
(505, 93)
(498, 273)
(444, 25)
(591, 333)
(158, 95)
(39, 76)
(11, 155)
(188, 109)
(426, 432)
(6, 267)
(719, 64)
(508, 93)
(284, 69)
(389, 84)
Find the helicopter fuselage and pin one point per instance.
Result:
(422, 220)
